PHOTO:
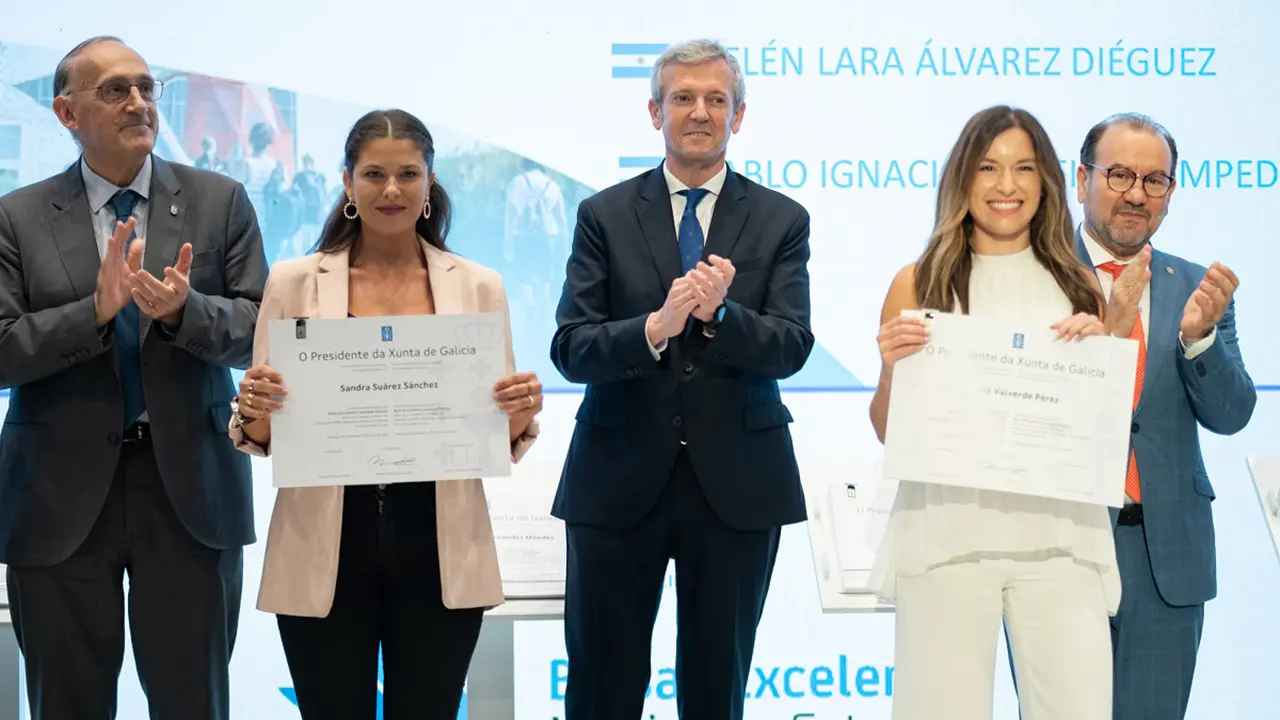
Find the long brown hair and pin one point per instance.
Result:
(942, 273)
(339, 232)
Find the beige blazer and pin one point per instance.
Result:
(301, 566)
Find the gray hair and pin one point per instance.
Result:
(1136, 121)
(695, 52)
(62, 73)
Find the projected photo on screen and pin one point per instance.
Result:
(511, 213)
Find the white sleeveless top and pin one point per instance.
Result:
(933, 525)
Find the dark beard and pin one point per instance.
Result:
(1108, 240)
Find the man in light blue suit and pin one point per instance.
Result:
(1191, 374)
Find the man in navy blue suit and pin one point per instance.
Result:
(1190, 375)
(686, 299)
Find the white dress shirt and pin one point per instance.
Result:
(1099, 255)
(706, 208)
(99, 191)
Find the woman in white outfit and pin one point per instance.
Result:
(954, 561)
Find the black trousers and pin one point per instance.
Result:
(388, 596)
(613, 589)
(183, 604)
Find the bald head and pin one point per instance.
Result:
(106, 96)
(62, 74)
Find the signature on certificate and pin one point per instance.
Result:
(994, 467)
(380, 461)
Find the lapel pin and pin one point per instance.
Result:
(1168, 269)
(173, 210)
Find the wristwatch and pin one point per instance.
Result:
(709, 328)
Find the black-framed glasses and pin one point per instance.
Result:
(1154, 184)
(114, 92)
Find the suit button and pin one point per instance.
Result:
(1133, 427)
(677, 421)
(113, 439)
(1200, 369)
(688, 367)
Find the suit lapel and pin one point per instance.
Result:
(656, 221)
(167, 213)
(727, 220)
(447, 297)
(1164, 317)
(71, 224)
(1082, 252)
(332, 285)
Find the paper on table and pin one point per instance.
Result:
(530, 544)
(858, 513)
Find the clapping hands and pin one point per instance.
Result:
(1205, 307)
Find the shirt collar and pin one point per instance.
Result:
(1098, 255)
(714, 185)
(100, 190)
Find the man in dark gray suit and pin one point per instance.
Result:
(128, 288)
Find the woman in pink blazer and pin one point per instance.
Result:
(410, 567)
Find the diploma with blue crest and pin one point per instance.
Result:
(996, 405)
(380, 400)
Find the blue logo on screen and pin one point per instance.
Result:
(1018, 340)
(632, 165)
(293, 696)
(386, 333)
(632, 61)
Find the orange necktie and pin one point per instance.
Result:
(1131, 487)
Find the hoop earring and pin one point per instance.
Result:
(426, 210)
(354, 213)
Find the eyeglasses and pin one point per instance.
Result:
(114, 92)
(1120, 179)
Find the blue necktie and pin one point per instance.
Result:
(691, 230)
(127, 342)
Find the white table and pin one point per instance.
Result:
(491, 682)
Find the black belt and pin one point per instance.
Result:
(1130, 515)
(136, 432)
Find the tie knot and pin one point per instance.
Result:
(1112, 267)
(122, 203)
(693, 197)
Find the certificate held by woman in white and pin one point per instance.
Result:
(994, 406)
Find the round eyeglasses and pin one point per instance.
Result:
(1120, 179)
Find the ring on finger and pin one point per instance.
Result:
(251, 382)
(248, 399)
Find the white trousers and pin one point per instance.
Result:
(948, 625)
